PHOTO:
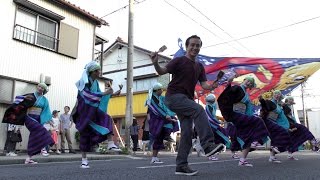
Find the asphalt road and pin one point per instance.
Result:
(139, 167)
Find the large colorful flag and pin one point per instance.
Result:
(270, 74)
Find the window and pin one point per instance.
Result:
(6, 87)
(10, 87)
(36, 29)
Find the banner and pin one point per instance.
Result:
(270, 74)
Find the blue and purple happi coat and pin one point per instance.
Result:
(158, 112)
(220, 134)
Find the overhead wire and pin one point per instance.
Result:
(218, 26)
(199, 24)
(265, 32)
(225, 42)
(135, 2)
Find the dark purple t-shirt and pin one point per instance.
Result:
(185, 75)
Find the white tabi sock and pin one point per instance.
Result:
(84, 160)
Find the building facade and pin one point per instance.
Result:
(43, 41)
(144, 76)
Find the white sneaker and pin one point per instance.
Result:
(11, 154)
(274, 160)
(113, 147)
(213, 158)
(235, 156)
(85, 165)
(292, 158)
(245, 163)
(44, 153)
(58, 152)
(155, 161)
(30, 161)
(256, 145)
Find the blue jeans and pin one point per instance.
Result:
(189, 112)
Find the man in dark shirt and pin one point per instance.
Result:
(186, 72)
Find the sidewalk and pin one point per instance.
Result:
(53, 157)
(7, 160)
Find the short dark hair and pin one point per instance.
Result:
(193, 36)
(67, 107)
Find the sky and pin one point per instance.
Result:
(233, 28)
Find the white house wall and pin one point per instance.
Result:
(117, 60)
(27, 62)
(314, 123)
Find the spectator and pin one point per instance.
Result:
(65, 125)
(145, 136)
(10, 145)
(55, 129)
(134, 131)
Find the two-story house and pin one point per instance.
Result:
(44, 41)
(144, 76)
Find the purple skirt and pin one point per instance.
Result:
(90, 138)
(220, 135)
(156, 123)
(158, 141)
(86, 113)
(279, 136)
(39, 137)
(232, 132)
(298, 137)
(249, 129)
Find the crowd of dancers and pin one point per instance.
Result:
(241, 130)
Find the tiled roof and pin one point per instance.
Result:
(120, 41)
(87, 14)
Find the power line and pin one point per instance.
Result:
(218, 26)
(199, 24)
(264, 32)
(135, 2)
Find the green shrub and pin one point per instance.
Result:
(77, 136)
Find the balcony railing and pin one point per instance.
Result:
(33, 37)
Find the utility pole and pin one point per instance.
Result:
(129, 113)
(303, 108)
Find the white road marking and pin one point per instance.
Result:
(134, 157)
(173, 165)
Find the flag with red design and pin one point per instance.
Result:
(283, 74)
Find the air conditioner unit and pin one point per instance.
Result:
(45, 79)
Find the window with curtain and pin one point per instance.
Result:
(47, 30)
(35, 29)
